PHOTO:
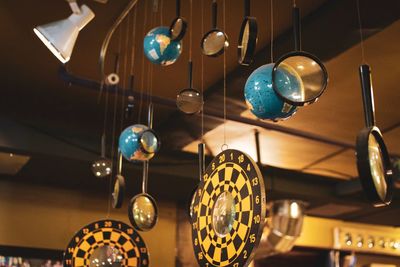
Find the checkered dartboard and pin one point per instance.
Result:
(117, 235)
(232, 172)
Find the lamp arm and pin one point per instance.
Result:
(74, 6)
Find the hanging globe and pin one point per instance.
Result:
(189, 101)
(102, 167)
(261, 98)
(159, 48)
(138, 142)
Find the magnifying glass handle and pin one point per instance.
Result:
(131, 99)
(119, 162)
(103, 145)
(150, 116)
(145, 176)
(258, 149)
(368, 95)
(201, 160)
(214, 13)
(178, 8)
(296, 28)
(246, 8)
(190, 72)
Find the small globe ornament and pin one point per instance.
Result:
(138, 143)
(102, 167)
(159, 48)
(189, 101)
(261, 98)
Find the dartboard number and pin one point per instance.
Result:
(244, 254)
(222, 158)
(107, 224)
(205, 177)
(85, 230)
(241, 158)
(254, 181)
(213, 166)
(257, 219)
(236, 264)
(200, 255)
(257, 199)
(68, 262)
(129, 231)
(252, 238)
(231, 156)
(70, 250)
(143, 250)
(248, 167)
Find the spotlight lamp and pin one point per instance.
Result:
(60, 36)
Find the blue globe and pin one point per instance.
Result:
(261, 98)
(159, 48)
(138, 142)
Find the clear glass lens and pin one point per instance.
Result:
(101, 167)
(310, 73)
(214, 42)
(150, 142)
(106, 256)
(223, 214)
(189, 101)
(176, 29)
(377, 166)
(144, 212)
(245, 39)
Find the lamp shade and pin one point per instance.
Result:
(60, 36)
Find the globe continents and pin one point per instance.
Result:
(261, 98)
(138, 142)
(159, 48)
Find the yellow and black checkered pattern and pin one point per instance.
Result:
(107, 233)
(234, 172)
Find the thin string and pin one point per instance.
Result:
(202, 75)
(143, 66)
(133, 47)
(114, 124)
(224, 22)
(125, 71)
(361, 32)
(272, 30)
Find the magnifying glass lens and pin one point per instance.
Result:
(176, 29)
(245, 39)
(214, 42)
(150, 142)
(144, 212)
(377, 166)
(189, 101)
(310, 72)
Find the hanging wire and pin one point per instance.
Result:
(361, 32)
(272, 30)
(202, 75)
(133, 47)
(143, 66)
(125, 71)
(224, 23)
(190, 30)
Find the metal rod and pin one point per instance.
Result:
(210, 112)
(110, 33)
(150, 116)
(103, 146)
(202, 166)
(178, 8)
(296, 29)
(368, 95)
(145, 176)
(258, 149)
(120, 162)
(214, 13)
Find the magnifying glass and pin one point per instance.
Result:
(215, 41)
(178, 26)
(189, 100)
(248, 37)
(143, 211)
(304, 65)
(373, 160)
(119, 186)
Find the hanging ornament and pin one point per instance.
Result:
(159, 48)
(102, 167)
(261, 98)
(189, 100)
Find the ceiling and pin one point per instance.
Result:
(59, 123)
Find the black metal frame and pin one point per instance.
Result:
(178, 19)
(246, 58)
(299, 54)
(213, 30)
(190, 88)
(158, 142)
(365, 170)
(118, 198)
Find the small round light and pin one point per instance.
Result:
(101, 167)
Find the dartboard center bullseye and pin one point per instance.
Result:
(224, 214)
(106, 256)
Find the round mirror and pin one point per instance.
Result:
(178, 29)
(214, 43)
(189, 101)
(143, 212)
(102, 167)
(311, 72)
(150, 142)
(247, 41)
(377, 166)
